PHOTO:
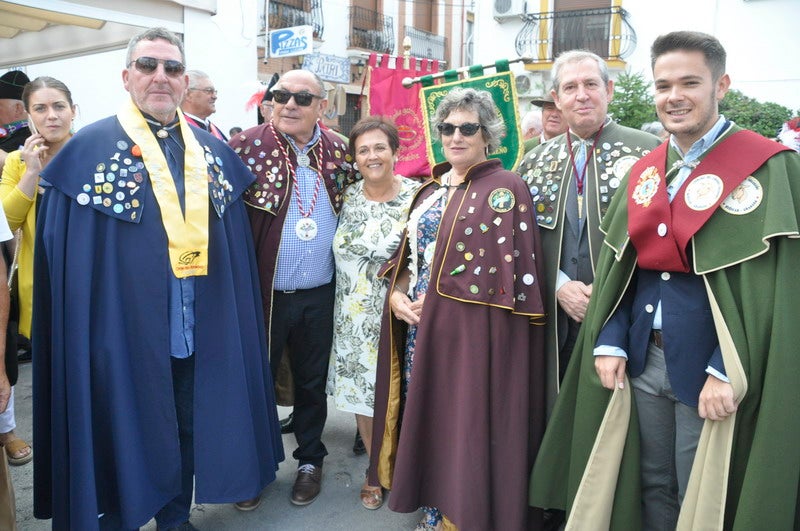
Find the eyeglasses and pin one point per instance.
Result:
(467, 129)
(148, 65)
(210, 91)
(303, 99)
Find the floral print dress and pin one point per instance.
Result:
(368, 234)
(427, 228)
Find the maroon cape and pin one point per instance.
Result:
(474, 414)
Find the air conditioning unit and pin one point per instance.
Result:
(507, 9)
(528, 84)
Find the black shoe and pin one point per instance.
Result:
(287, 424)
(358, 445)
(24, 355)
(553, 519)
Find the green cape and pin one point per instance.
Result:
(747, 467)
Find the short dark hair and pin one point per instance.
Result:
(692, 41)
(153, 34)
(371, 123)
(44, 82)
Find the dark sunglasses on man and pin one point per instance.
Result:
(467, 129)
(148, 65)
(303, 99)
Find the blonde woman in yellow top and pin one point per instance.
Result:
(49, 104)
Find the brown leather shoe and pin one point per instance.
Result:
(307, 485)
(248, 505)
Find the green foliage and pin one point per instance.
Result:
(763, 118)
(633, 106)
(633, 101)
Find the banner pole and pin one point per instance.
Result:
(407, 82)
(406, 51)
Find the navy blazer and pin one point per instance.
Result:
(690, 339)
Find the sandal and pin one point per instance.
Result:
(13, 448)
(371, 497)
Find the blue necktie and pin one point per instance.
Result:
(580, 167)
(580, 159)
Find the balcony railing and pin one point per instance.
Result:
(371, 30)
(604, 31)
(290, 13)
(426, 45)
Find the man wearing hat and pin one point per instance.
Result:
(13, 120)
(552, 122)
(13, 132)
(266, 105)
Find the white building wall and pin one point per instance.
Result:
(224, 46)
(759, 36)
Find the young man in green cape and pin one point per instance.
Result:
(679, 408)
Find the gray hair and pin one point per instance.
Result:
(479, 102)
(153, 34)
(318, 80)
(654, 128)
(532, 120)
(195, 76)
(576, 56)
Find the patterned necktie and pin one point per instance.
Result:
(580, 167)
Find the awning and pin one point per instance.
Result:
(36, 31)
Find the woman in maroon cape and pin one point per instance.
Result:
(461, 360)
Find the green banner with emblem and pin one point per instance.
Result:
(501, 86)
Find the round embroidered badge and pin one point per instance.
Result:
(623, 165)
(501, 200)
(703, 192)
(745, 198)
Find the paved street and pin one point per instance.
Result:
(337, 508)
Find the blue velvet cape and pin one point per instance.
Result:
(105, 429)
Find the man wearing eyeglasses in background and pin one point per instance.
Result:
(152, 365)
(200, 102)
(294, 204)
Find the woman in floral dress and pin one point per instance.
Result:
(373, 216)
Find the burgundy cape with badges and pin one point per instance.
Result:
(268, 196)
(105, 429)
(474, 414)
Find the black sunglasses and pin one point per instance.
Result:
(148, 65)
(467, 129)
(303, 99)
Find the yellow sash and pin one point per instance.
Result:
(188, 238)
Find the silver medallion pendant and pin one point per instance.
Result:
(162, 133)
(306, 229)
(303, 160)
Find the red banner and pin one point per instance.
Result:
(388, 97)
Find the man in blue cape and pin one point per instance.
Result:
(151, 363)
